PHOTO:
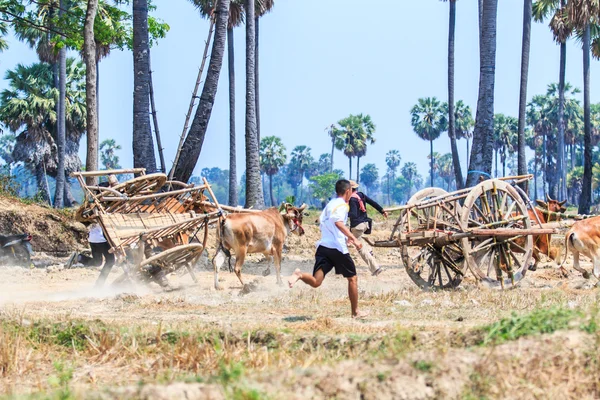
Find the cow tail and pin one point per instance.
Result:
(568, 237)
(221, 234)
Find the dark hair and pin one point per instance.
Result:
(341, 186)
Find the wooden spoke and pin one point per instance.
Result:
(426, 268)
(497, 262)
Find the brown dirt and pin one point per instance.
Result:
(441, 325)
(53, 231)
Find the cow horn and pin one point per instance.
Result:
(302, 207)
(562, 203)
(548, 199)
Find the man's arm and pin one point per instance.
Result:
(374, 204)
(351, 239)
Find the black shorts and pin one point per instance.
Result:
(326, 259)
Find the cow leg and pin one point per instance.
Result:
(585, 274)
(239, 262)
(269, 259)
(536, 260)
(596, 270)
(217, 261)
(277, 259)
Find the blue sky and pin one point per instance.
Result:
(322, 60)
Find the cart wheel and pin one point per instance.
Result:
(496, 261)
(173, 259)
(435, 267)
(144, 184)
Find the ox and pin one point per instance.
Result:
(584, 238)
(260, 232)
(546, 213)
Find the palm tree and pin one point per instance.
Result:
(392, 159)
(301, 160)
(505, 132)
(28, 107)
(107, 153)
(451, 111)
(525, 47)
(236, 17)
(481, 152)
(427, 123)
(409, 172)
(364, 137)
(463, 125)
(581, 14)
(254, 191)
(261, 7)
(336, 136)
(446, 169)
(143, 144)
(91, 64)
(192, 146)
(61, 119)
(352, 136)
(562, 29)
(272, 157)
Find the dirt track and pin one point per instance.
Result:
(436, 320)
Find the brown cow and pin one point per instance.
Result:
(259, 232)
(541, 243)
(584, 238)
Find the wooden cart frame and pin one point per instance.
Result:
(149, 213)
(485, 229)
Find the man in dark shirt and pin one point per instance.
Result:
(360, 224)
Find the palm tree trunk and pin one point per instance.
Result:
(271, 191)
(585, 201)
(388, 190)
(496, 163)
(562, 170)
(350, 167)
(525, 47)
(161, 156)
(192, 146)
(233, 195)
(69, 199)
(468, 152)
(91, 90)
(61, 121)
(545, 165)
(143, 145)
(535, 177)
(332, 149)
(254, 191)
(481, 152)
(256, 82)
(451, 117)
(188, 115)
(431, 160)
(358, 169)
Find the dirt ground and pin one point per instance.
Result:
(344, 358)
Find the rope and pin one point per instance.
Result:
(564, 215)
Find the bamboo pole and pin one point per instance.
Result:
(109, 172)
(155, 120)
(193, 100)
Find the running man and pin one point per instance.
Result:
(332, 249)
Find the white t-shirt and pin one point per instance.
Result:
(96, 235)
(331, 237)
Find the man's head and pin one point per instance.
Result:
(343, 189)
(353, 185)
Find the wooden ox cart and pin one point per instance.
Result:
(149, 221)
(485, 229)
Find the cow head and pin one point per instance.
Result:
(292, 217)
(552, 205)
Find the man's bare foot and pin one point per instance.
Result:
(294, 278)
(361, 315)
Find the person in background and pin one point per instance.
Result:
(361, 224)
(98, 244)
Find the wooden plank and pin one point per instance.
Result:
(508, 232)
(109, 172)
